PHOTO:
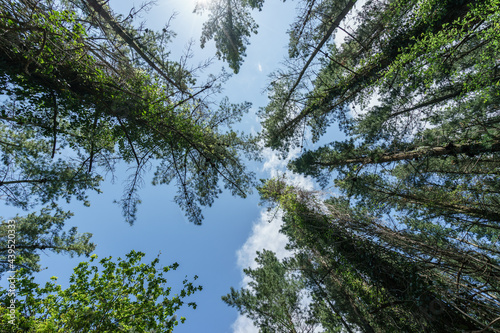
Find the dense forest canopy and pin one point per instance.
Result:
(409, 242)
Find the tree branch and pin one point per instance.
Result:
(334, 25)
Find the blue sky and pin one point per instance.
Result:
(233, 228)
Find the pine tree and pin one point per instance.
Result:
(83, 79)
(383, 277)
(23, 238)
(274, 298)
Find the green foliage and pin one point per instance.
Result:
(126, 295)
(31, 175)
(85, 82)
(40, 232)
(419, 167)
(230, 25)
(274, 298)
(427, 62)
(383, 276)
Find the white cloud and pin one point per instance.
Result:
(277, 167)
(265, 235)
(265, 231)
(273, 163)
(260, 67)
(244, 325)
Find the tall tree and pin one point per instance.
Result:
(230, 25)
(80, 77)
(420, 60)
(436, 281)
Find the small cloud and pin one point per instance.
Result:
(276, 167)
(260, 67)
(274, 164)
(244, 325)
(265, 235)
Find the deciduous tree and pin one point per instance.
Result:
(120, 296)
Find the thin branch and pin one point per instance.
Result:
(334, 25)
(129, 141)
(54, 119)
(99, 9)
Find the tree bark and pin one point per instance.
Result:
(450, 149)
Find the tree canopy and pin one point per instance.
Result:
(119, 296)
(369, 274)
(230, 25)
(84, 81)
(84, 89)
(410, 241)
(35, 233)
